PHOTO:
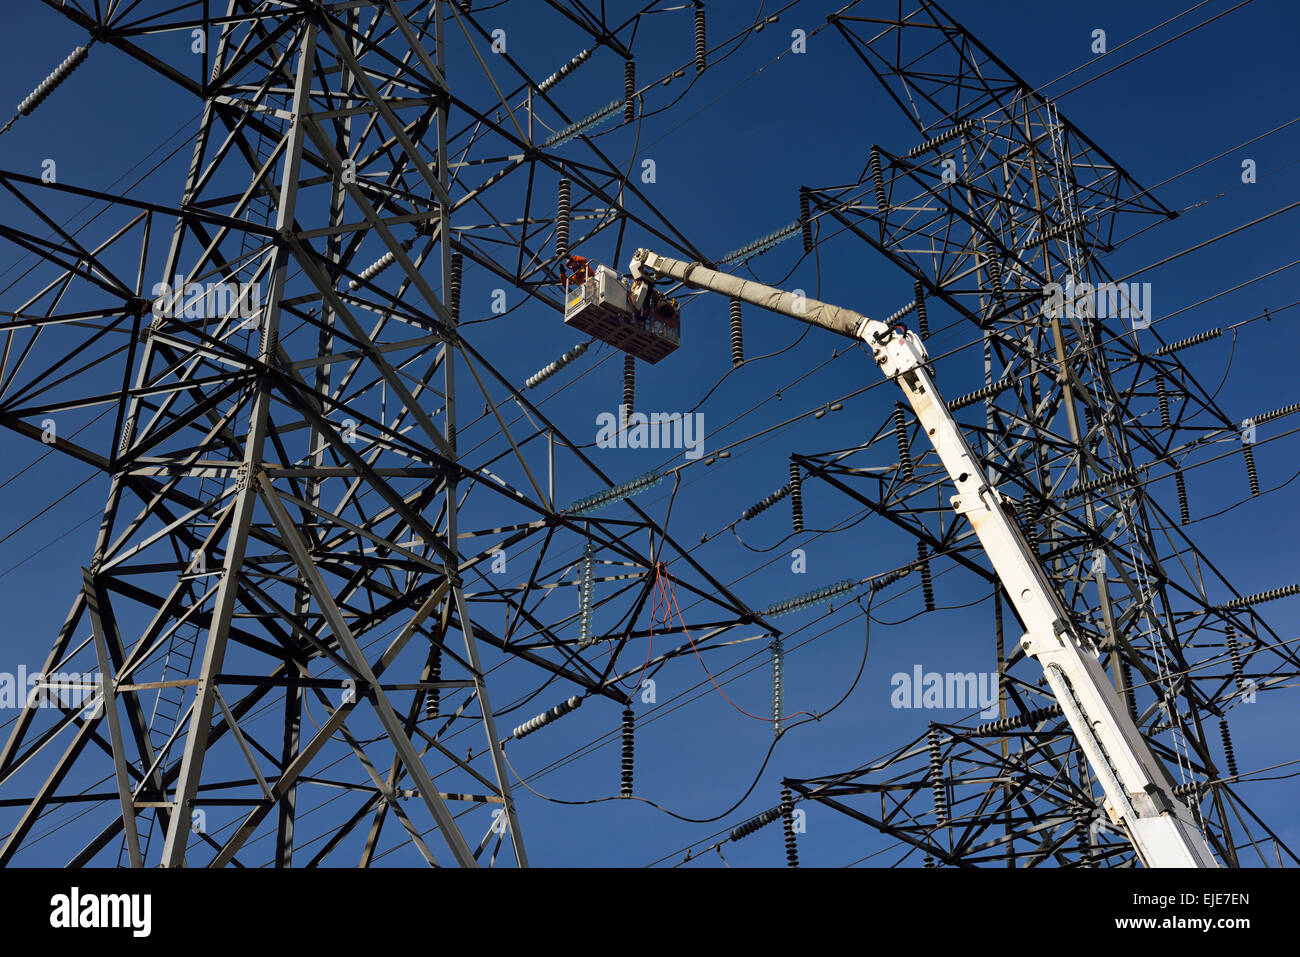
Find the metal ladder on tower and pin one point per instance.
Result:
(171, 703)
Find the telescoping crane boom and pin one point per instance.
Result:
(1139, 791)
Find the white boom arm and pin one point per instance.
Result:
(1139, 791)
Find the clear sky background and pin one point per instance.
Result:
(730, 158)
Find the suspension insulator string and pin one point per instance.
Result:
(453, 285)
(737, 336)
(754, 823)
(927, 584)
(586, 586)
(1273, 594)
(787, 823)
(937, 141)
(1130, 696)
(922, 320)
(544, 373)
(378, 266)
(546, 717)
(778, 683)
(878, 181)
(808, 600)
(49, 84)
(628, 750)
(805, 219)
(898, 315)
(562, 221)
(700, 48)
(617, 493)
(588, 124)
(1012, 722)
(1162, 397)
(762, 506)
(1032, 511)
(629, 91)
(582, 57)
(900, 434)
(453, 307)
(1180, 483)
(1082, 820)
(994, 265)
(979, 395)
(629, 386)
(1228, 751)
(762, 244)
(1251, 474)
(936, 776)
(1234, 652)
(796, 496)
(434, 697)
(1190, 341)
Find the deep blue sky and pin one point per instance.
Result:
(730, 159)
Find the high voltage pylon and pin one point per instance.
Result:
(999, 197)
(292, 587)
(323, 499)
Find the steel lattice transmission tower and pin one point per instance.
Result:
(1084, 419)
(312, 474)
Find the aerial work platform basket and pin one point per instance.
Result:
(598, 302)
